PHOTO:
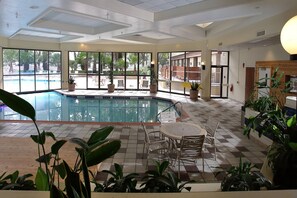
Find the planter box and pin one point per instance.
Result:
(202, 194)
(194, 94)
(110, 88)
(153, 88)
(71, 87)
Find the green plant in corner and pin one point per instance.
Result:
(118, 182)
(242, 178)
(15, 182)
(282, 129)
(90, 153)
(159, 180)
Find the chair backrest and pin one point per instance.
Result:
(146, 135)
(211, 126)
(191, 146)
(145, 83)
(120, 83)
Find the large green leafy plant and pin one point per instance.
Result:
(243, 178)
(91, 152)
(118, 182)
(160, 180)
(15, 182)
(265, 102)
(282, 129)
(157, 180)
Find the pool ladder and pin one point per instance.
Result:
(169, 116)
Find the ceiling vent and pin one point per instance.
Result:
(261, 33)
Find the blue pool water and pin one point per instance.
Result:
(52, 106)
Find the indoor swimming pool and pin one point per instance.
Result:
(53, 106)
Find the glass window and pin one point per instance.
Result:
(145, 60)
(193, 68)
(55, 62)
(163, 71)
(132, 63)
(175, 68)
(105, 67)
(220, 58)
(41, 62)
(27, 62)
(177, 71)
(129, 69)
(31, 70)
(11, 62)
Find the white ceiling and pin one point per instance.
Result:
(133, 21)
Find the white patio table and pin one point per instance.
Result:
(177, 130)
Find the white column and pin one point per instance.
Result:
(206, 73)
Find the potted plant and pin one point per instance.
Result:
(282, 129)
(71, 83)
(244, 178)
(110, 85)
(194, 89)
(153, 80)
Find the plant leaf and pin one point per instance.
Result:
(14, 176)
(56, 193)
(292, 121)
(83, 144)
(102, 152)
(41, 180)
(50, 134)
(61, 170)
(39, 139)
(72, 183)
(44, 158)
(293, 145)
(56, 146)
(18, 104)
(99, 135)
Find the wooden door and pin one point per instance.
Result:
(249, 82)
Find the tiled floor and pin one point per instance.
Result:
(231, 143)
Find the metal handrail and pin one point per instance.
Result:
(173, 105)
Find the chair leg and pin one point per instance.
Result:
(202, 163)
(215, 152)
(143, 151)
(178, 168)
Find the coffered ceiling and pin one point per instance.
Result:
(133, 21)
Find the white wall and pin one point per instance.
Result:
(249, 56)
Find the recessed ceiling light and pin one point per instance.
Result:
(34, 7)
(204, 25)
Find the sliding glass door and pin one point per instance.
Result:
(219, 74)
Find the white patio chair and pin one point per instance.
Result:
(189, 150)
(154, 144)
(211, 128)
(121, 84)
